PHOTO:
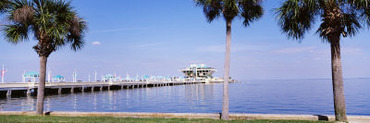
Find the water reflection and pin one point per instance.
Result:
(28, 104)
(185, 98)
(262, 96)
(95, 103)
(47, 104)
(75, 102)
(199, 94)
(112, 100)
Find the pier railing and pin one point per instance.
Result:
(30, 88)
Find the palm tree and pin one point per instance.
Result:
(249, 10)
(338, 18)
(53, 23)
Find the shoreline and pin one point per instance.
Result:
(232, 116)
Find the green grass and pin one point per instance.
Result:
(60, 119)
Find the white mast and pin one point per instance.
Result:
(95, 75)
(49, 76)
(2, 74)
(75, 76)
(115, 76)
(23, 79)
(89, 77)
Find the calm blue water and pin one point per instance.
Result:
(254, 96)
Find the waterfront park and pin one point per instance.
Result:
(170, 61)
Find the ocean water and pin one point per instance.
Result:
(313, 96)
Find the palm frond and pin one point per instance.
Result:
(53, 22)
(16, 33)
(296, 17)
(359, 3)
(365, 15)
(325, 31)
(76, 33)
(4, 5)
(211, 8)
(340, 18)
(251, 10)
(363, 6)
(230, 9)
(351, 24)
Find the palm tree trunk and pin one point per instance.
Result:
(41, 87)
(225, 98)
(337, 78)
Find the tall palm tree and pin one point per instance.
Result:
(338, 18)
(53, 23)
(249, 10)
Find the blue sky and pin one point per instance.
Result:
(159, 37)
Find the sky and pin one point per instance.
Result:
(160, 37)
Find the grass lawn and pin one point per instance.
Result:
(15, 118)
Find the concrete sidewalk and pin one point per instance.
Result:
(233, 116)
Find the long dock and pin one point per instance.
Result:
(30, 88)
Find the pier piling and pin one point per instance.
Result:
(59, 90)
(28, 91)
(9, 93)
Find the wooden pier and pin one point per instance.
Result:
(17, 89)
